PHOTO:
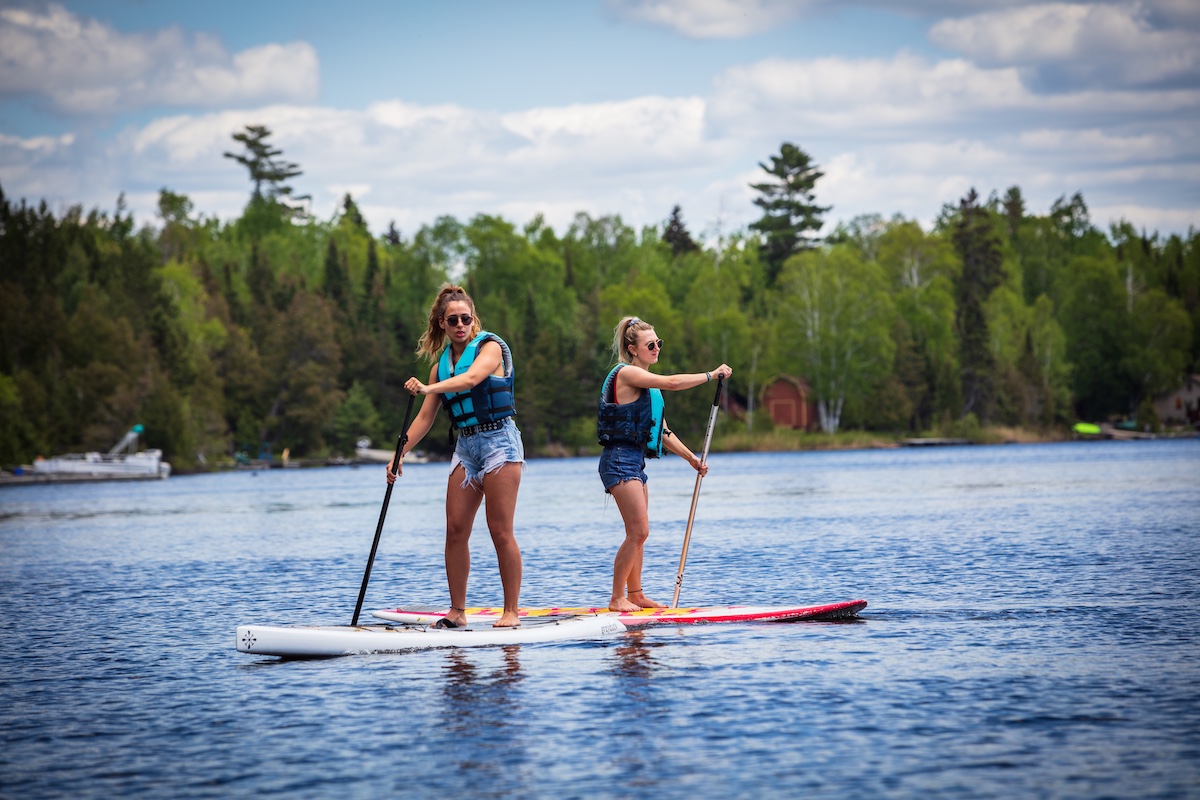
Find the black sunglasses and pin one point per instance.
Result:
(655, 345)
(453, 319)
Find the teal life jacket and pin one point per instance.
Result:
(491, 400)
(639, 422)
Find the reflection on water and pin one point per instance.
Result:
(635, 655)
(478, 698)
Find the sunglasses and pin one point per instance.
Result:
(655, 345)
(453, 319)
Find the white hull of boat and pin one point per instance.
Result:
(147, 464)
(376, 456)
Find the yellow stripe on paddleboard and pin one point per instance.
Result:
(549, 612)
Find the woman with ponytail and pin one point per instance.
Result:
(472, 377)
(632, 427)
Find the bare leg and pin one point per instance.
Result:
(461, 505)
(632, 500)
(500, 487)
(634, 583)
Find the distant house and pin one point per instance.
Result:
(1182, 406)
(789, 403)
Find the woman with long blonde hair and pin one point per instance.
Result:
(472, 377)
(632, 427)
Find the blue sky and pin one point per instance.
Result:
(623, 107)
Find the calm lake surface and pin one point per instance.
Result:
(1032, 632)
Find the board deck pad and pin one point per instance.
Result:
(424, 615)
(337, 640)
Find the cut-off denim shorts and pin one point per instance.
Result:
(488, 451)
(622, 462)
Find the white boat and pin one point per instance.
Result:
(365, 453)
(119, 462)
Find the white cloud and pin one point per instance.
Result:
(860, 96)
(85, 67)
(906, 135)
(1079, 43)
(36, 144)
(895, 134)
(1098, 145)
(712, 19)
(417, 162)
(870, 99)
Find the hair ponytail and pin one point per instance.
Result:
(625, 334)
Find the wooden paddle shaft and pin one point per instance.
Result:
(687, 535)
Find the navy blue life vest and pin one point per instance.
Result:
(639, 422)
(491, 400)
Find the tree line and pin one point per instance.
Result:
(278, 330)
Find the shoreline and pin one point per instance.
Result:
(787, 441)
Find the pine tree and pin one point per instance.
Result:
(337, 279)
(789, 213)
(978, 245)
(676, 234)
(266, 168)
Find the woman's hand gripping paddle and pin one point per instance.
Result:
(712, 418)
(400, 442)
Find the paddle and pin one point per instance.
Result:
(400, 442)
(712, 418)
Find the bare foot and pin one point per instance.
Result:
(621, 604)
(642, 601)
(457, 618)
(508, 619)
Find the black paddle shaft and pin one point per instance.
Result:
(387, 497)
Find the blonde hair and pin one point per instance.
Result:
(625, 334)
(433, 339)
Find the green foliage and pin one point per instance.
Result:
(356, 417)
(16, 437)
(978, 244)
(273, 331)
(1159, 336)
(836, 316)
(1093, 317)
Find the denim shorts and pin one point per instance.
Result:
(488, 451)
(622, 462)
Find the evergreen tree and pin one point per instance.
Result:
(392, 236)
(266, 168)
(789, 214)
(369, 310)
(337, 279)
(351, 214)
(676, 234)
(1014, 209)
(260, 278)
(978, 245)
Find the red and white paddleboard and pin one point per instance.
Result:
(425, 615)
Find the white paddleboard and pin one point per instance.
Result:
(343, 640)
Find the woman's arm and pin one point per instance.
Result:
(419, 427)
(672, 443)
(487, 359)
(640, 378)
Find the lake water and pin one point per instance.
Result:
(1032, 632)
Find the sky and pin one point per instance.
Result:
(419, 108)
